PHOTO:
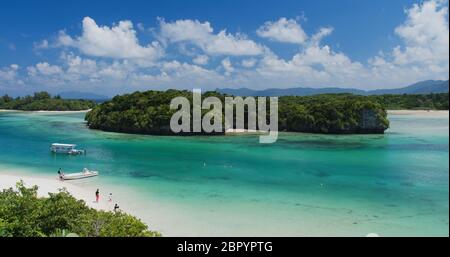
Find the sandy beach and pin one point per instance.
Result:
(63, 112)
(243, 131)
(419, 112)
(50, 112)
(163, 182)
(48, 185)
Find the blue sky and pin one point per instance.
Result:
(116, 46)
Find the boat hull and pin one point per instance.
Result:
(80, 175)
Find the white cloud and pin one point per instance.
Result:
(9, 73)
(65, 40)
(44, 68)
(311, 66)
(283, 30)
(186, 30)
(119, 42)
(202, 35)
(248, 63)
(201, 60)
(227, 66)
(425, 34)
(323, 32)
(422, 54)
(10, 77)
(42, 45)
(117, 70)
(425, 52)
(184, 75)
(80, 66)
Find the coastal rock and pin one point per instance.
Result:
(371, 122)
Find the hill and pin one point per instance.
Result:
(423, 87)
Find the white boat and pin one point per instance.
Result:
(80, 175)
(65, 149)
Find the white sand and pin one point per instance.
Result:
(419, 112)
(84, 189)
(62, 112)
(242, 131)
(52, 112)
(52, 185)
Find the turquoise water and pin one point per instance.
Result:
(395, 184)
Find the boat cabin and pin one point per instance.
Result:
(65, 148)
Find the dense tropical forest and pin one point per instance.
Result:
(149, 113)
(332, 113)
(43, 101)
(411, 102)
(23, 214)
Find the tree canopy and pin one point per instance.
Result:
(43, 101)
(410, 102)
(149, 113)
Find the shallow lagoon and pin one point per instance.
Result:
(305, 185)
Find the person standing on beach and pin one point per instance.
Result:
(97, 195)
(60, 174)
(110, 197)
(116, 207)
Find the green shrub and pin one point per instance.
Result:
(23, 214)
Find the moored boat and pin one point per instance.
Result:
(85, 173)
(66, 149)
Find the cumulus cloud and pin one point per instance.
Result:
(42, 45)
(112, 57)
(313, 64)
(202, 35)
(227, 66)
(425, 52)
(184, 75)
(44, 68)
(201, 59)
(248, 63)
(283, 30)
(323, 32)
(425, 34)
(119, 41)
(8, 74)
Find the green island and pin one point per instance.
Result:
(43, 101)
(413, 101)
(24, 214)
(149, 113)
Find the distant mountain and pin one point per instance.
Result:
(82, 95)
(302, 91)
(423, 87)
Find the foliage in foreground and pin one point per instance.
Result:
(23, 214)
(43, 101)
